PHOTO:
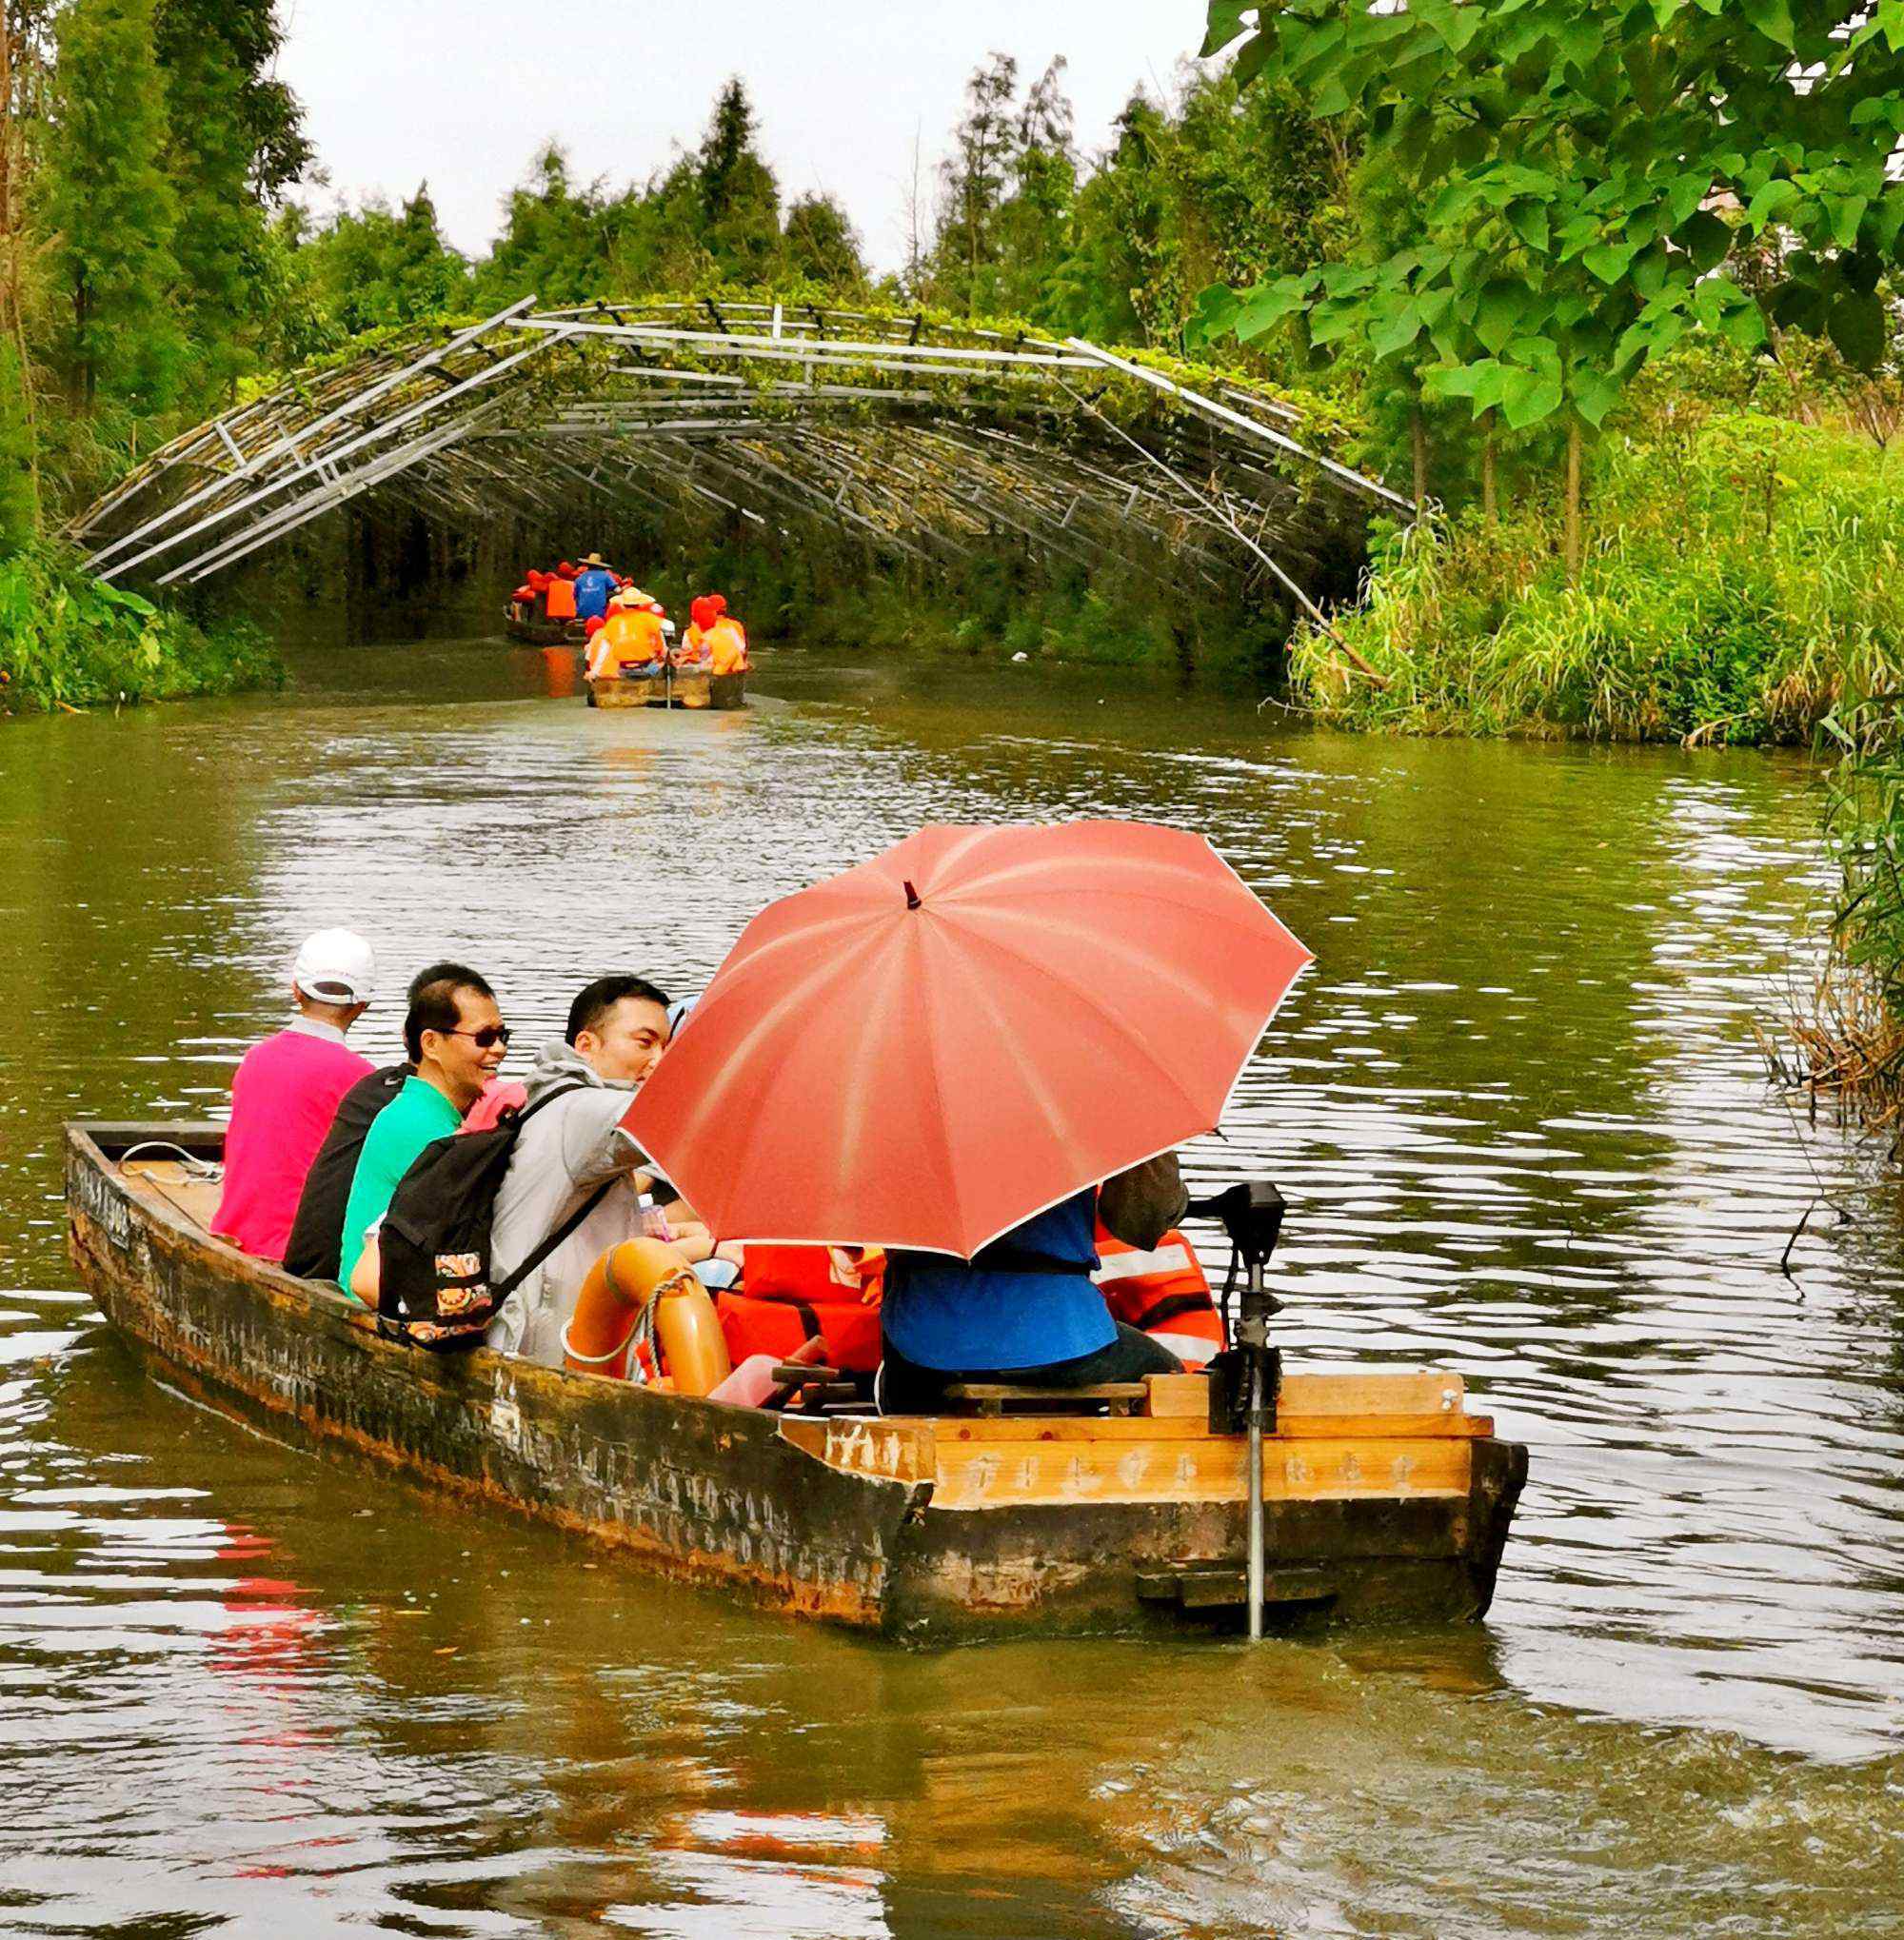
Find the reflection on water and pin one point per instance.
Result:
(1519, 1116)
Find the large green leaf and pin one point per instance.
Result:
(1268, 305)
(1706, 240)
(1773, 18)
(1226, 22)
(1454, 379)
(1846, 216)
(1857, 326)
(1685, 196)
(1457, 26)
(1213, 315)
(1499, 312)
(1780, 192)
(1396, 331)
(1611, 261)
(1528, 396)
(1745, 325)
(1595, 395)
(1528, 220)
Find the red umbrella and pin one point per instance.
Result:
(932, 1047)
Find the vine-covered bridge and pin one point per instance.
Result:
(921, 438)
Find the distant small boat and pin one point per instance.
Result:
(674, 687)
(536, 629)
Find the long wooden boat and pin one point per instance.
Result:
(536, 629)
(1387, 1502)
(677, 688)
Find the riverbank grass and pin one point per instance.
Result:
(1741, 579)
(68, 640)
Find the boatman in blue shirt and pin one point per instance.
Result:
(595, 585)
(1024, 1310)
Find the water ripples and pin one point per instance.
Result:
(1521, 1118)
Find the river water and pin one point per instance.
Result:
(1519, 1117)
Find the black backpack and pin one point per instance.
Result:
(317, 1234)
(433, 1247)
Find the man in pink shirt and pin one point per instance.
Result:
(285, 1092)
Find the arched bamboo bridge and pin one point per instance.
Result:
(923, 438)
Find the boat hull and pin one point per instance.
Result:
(861, 1522)
(679, 688)
(535, 630)
(622, 690)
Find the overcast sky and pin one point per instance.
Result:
(461, 92)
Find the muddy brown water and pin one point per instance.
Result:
(1520, 1120)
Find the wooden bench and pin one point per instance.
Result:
(997, 1398)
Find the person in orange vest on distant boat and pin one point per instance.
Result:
(715, 639)
(560, 595)
(630, 637)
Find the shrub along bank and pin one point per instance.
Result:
(1740, 580)
(69, 640)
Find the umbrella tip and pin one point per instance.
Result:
(911, 896)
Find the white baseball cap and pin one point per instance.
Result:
(336, 966)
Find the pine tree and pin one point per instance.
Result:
(212, 160)
(739, 198)
(973, 183)
(112, 210)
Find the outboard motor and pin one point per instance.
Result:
(1245, 1376)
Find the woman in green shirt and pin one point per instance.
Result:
(455, 1035)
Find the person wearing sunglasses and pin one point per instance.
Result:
(574, 1154)
(456, 1038)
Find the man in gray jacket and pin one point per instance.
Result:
(618, 1027)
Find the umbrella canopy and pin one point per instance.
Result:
(930, 1048)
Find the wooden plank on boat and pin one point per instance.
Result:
(894, 1450)
(1428, 1392)
(195, 1196)
(995, 1398)
(1009, 1428)
(1177, 1395)
(989, 1476)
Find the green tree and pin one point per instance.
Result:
(656, 241)
(112, 211)
(973, 180)
(739, 198)
(1571, 164)
(1119, 244)
(821, 245)
(557, 243)
(249, 38)
(19, 486)
(19, 458)
(376, 268)
(212, 161)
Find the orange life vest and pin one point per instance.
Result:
(727, 641)
(695, 649)
(627, 639)
(560, 597)
(1161, 1293)
(790, 1294)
